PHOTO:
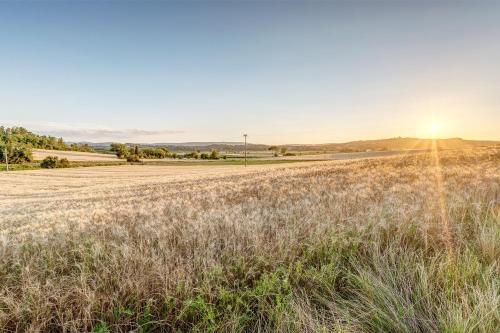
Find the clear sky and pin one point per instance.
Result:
(285, 72)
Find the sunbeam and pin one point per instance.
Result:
(443, 209)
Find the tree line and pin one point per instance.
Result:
(134, 154)
(17, 144)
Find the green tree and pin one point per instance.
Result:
(120, 149)
(214, 155)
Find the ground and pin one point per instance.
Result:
(404, 243)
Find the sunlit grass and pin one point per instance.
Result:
(359, 246)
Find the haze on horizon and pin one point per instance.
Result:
(301, 72)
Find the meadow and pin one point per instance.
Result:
(407, 243)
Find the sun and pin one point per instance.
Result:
(434, 129)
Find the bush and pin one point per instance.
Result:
(63, 163)
(133, 158)
(49, 162)
(194, 154)
(214, 155)
(289, 154)
(204, 156)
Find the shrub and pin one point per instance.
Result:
(214, 155)
(194, 154)
(133, 158)
(63, 163)
(49, 162)
(204, 156)
(289, 154)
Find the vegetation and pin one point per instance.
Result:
(52, 162)
(63, 163)
(121, 150)
(133, 158)
(178, 163)
(49, 162)
(21, 137)
(15, 155)
(154, 153)
(19, 144)
(83, 147)
(401, 244)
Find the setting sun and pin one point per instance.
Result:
(434, 129)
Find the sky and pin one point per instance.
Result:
(283, 72)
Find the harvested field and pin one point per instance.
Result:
(77, 156)
(399, 244)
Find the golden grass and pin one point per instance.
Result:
(351, 246)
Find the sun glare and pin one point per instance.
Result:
(434, 129)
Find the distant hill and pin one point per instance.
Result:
(394, 144)
(398, 143)
(188, 146)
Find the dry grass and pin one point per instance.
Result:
(76, 156)
(396, 244)
(345, 156)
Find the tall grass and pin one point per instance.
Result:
(345, 247)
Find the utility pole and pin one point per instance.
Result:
(7, 151)
(245, 135)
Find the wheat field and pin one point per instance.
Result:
(396, 244)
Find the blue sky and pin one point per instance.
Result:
(285, 72)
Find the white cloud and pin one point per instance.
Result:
(94, 133)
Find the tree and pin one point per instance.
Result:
(136, 151)
(214, 155)
(283, 150)
(120, 149)
(17, 154)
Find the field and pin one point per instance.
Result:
(346, 156)
(77, 156)
(407, 243)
